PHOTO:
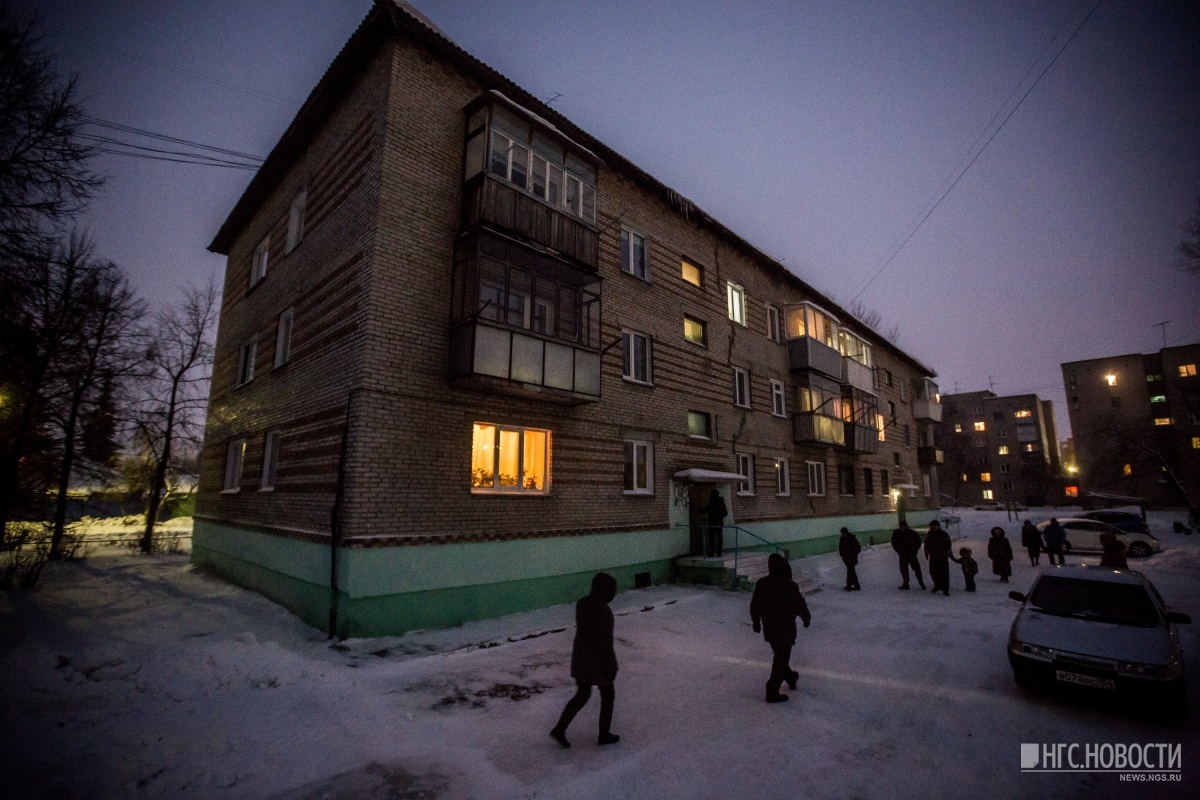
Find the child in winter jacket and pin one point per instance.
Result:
(969, 567)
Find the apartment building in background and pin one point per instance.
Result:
(1135, 420)
(1002, 449)
(469, 355)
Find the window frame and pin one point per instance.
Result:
(846, 481)
(259, 260)
(703, 341)
(629, 339)
(745, 466)
(735, 295)
(627, 253)
(774, 323)
(632, 447)
(519, 490)
(708, 436)
(816, 475)
(741, 387)
(270, 461)
(247, 354)
(295, 229)
(684, 263)
(283, 337)
(235, 458)
(783, 478)
(778, 399)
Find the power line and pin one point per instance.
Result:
(117, 126)
(196, 152)
(924, 215)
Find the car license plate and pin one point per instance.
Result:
(1085, 680)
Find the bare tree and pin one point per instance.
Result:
(179, 367)
(872, 319)
(1189, 249)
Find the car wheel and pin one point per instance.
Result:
(1139, 549)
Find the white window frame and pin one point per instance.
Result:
(745, 466)
(778, 398)
(627, 251)
(235, 454)
(259, 261)
(519, 489)
(816, 478)
(736, 296)
(629, 342)
(988, 494)
(295, 231)
(632, 448)
(270, 462)
(245, 365)
(741, 387)
(783, 478)
(774, 324)
(283, 337)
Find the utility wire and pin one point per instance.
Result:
(101, 123)
(196, 152)
(924, 215)
(105, 140)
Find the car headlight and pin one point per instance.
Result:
(1030, 650)
(1135, 670)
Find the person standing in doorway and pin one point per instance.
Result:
(848, 549)
(773, 610)
(593, 660)
(937, 551)
(907, 543)
(717, 511)
(1031, 540)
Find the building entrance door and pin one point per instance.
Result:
(698, 494)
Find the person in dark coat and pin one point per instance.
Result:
(1114, 551)
(970, 567)
(1001, 554)
(1055, 538)
(1031, 540)
(717, 511)
(848, 549)
(937, 551)
(773, 610)
(907, 543)
(593, 660)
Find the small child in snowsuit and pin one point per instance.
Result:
(969, 567)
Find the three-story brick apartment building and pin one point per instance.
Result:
(469, 355)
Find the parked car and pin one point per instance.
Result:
(1083, 536)
(1104, 629)
(1129, 520)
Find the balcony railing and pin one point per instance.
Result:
(862, 438)
(929, 410)
(805, 352)
(930, 456)
(499, 359)
(809, 427)
(486, 199)
(856, 375)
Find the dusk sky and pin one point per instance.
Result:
(818, 131)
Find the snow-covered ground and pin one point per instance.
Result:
(129, 676)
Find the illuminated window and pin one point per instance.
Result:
(505, 459)
(988, 494)
(854, 347)
(693, 330)
(1071, 491)
(965, 477)
(699, 425)
(1162, 420)
(985, 477)
(881, 423)
(537, 165)
(1127, 469)
(783, 481)
(295, 231)
(1196, 442)
(270, 461)
(258, 261)
(1110, 379)
(234, 454)
(778, 399)
(741, 387)
(1187, 370)
(633, 255)
(774, 324)
(1023, 413)
(636, 353)
(808, 320)
(745, 466)
(1030, 447)
(1158, 398)
(1002, 450)
(981, 426)
(639, 467)
(692, 273)
(958, 427)
(816, 478)
(737, 303)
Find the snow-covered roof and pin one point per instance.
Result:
(709, 476)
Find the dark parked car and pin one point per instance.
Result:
(1128, 521)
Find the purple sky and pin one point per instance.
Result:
(817, 131)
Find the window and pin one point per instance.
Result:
(985, 477)
(981, 426)
(1149, 378)
(1030, 447)
(854, 347)
(988, 494)
(636, 354)
(958, 427)
(774, 324)
(1007, 486)
(881, 423)
(1071, 491)
(888, 376)
(737, 303)
(846, 479)
(283, 338)
(1004, 469)
(1196, 442)
(295, 231)
(633, 255)
(1110, 379)
(778, 399)
(694, 330)
(1116, 402)
(1158, 398)
(1002, 450)
(1002, 433)
(783, 479)
(1127, 469)
(699, 425)
(868, 482)
(907, 436)
(808, 320)
(537, 164)
(639, 467)
(928, 488)
(258, 261)
(692, 273)
(977, 442)
(885, 486)
(745, 466)
(1162, 420)
(895, 459)
(891, 409)
(1022, 414)
(245, 368)
(270, 460)
(234, 453)
(741, 387)
(965, 477)
(997, 416)
(509, 459)
(1187, 370)
(816, 478)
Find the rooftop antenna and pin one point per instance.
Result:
(1162, 325)
(991, 384)
(552, 99)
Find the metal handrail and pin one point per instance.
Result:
(737, 529)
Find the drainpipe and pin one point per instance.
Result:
(335, 518)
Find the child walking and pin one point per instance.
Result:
(969, 567)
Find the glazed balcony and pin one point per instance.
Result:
(857, 375)
(811, 428)
(861, 438)
(495, 358)
(489, 200)
(930, 456)
(806, 353)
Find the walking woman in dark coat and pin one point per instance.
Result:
(593, 660)
(937, 550)
(1031, 540)
(1001, 554)
(773, 609)
(848, 549)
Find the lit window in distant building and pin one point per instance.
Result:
(1023, 413)
(1030, 447)
(1187, 370)
(1127, 469)
(1196, 442)
(1110, 379)
(958, 427)
(985, 477)
(1162, 420)
(988, 494)
(965, 478)
(1002, 450)
(1158, 398)
(981, 426)
(1071, 491)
